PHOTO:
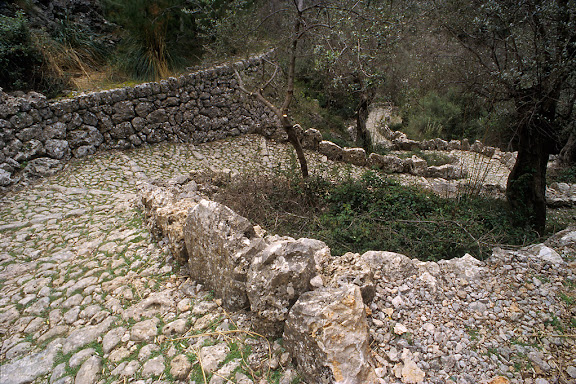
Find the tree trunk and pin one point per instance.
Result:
(526, 187)
(295, 141)
(568, 152)
(362, 135)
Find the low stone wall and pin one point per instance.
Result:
(202, 106)
(316, 301)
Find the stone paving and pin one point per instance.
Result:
(86, 296)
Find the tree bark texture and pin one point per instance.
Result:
(295, 141)
(362, 135)
(568, 152)
(538, 138)
(526, 187)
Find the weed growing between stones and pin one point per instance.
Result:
(373, 213)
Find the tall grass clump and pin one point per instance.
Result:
(71, 50)
(145, 35)
(164, 36)
(374, 214)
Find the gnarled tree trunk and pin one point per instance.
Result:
(568, 152)
(526, 188)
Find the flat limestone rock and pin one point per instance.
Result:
(327, 333)
(330, 150)
(279, 275)
(28, 368)
(221, 245)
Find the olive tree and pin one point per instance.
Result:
(525, 54)
(341, 39)
(353, 55)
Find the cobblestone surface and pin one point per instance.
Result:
(87, 297)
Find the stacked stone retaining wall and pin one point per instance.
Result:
(197, 107)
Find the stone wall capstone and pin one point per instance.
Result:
(195, 108)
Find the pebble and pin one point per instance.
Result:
(153, 367)
(212, 356)
(180, 367)
(89, 371)
(144, 330)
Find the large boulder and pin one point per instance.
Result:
(477, 146)
(311, 139)
(428, 144)
(446, 171)
(441, 145)
(391, 265)
(279, 275)
(330, 150)
(356, 156)
(5, 178)
(387, 163)
(415, 166)
(405, 144)
(123, 111)
(167, 213)
(42, 167)
(327, 333)
(454, 145)
(30, 150)
(57, 149)
(350, 268)
(221, 245)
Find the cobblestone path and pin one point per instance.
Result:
(86, 296)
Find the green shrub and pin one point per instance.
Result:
(563, 175)
(24, 65)
(19, 58)
(88, 47)
(452, 115)
(374, 214)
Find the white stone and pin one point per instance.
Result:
(89, 371)
(212, 356)
(400, 329)
(544, 253)
(397, 302)
(411, 373)
(153, 367)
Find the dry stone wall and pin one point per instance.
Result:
(37, 134)
(378, 317)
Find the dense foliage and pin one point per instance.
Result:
(20, 60)
(160, 37)
(450, 115)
